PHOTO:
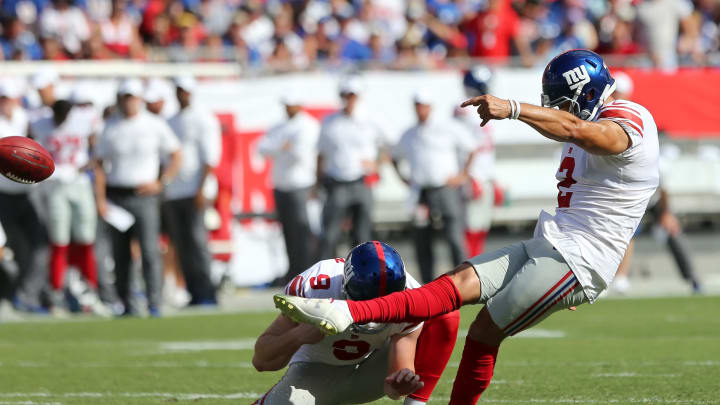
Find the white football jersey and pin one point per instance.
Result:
(325, 280)
(68, 144)
(601, 199)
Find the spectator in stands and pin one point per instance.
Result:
(66, 24)
(133, 144)
(494, 31)
(661, 20)
(17, 42)
(433, 149)
(18, 214)
(292, 145)
(348, 152)
(184, 207)
(119, 33)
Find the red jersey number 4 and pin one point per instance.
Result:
(568, 166)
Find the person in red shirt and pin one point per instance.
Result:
(490, 33)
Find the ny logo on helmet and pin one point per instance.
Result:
(577, 77)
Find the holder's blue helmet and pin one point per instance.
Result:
(580, 77)
(373, 269)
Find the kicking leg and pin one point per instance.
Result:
(447, 293)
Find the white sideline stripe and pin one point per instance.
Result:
(176, 395)
(205, 345)
(29, 403)
(651, 401)
(533, 333)
(524, 363)
(155, 364)
(631, 374)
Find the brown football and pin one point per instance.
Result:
(24, 161)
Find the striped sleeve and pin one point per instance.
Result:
(627, 117)
(296, 287)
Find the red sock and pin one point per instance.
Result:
(434, 348)
(86, 262)
(475, 242)
(475, 372)
(58, 263)
(414, 305)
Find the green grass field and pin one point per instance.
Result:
(649, 351)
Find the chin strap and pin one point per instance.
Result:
(590, 115)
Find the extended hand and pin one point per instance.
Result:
(402, 382)
(489, 108)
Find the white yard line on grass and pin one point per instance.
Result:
(631, 374)
(29, 403)
(205, 345)
(535, 333)
(652, 401)
(176, 395)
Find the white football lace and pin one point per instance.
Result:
(18, 179)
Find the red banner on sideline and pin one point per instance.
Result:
(684, 103)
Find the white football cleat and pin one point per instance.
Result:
(329, 315)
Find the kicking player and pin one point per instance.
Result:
(608, 172)
(365, 362)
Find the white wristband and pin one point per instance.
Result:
(514, 110)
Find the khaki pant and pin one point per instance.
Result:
(524, 283)
(307, 383)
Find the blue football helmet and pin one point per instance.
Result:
(476, 81)
(373, 269)
(579, 77)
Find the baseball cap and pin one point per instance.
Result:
(133, 87)
(186, 83)
(10, 88)
(44, 78)
(291, 98)
(154, 92)
(623, 83)
(422, 97)
(81, 94)
(351, 85)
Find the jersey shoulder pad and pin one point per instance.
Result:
(322, 280)
(628, 114)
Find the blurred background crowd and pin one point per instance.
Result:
(296, 34)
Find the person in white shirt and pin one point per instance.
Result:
(128, 153)
(608, 173)
(67, 24)
(72, 216)
(200, 140)
(348, 152)
(18, 213)
(433, 148)
(292, 146)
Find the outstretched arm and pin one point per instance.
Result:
(401, 379)
(276, 346)
(599, 137)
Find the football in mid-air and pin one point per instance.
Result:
(24, 161)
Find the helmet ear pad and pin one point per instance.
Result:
(373, 269)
